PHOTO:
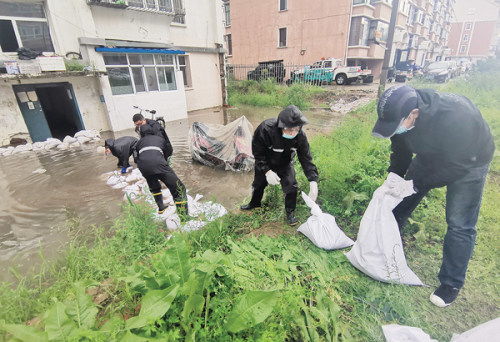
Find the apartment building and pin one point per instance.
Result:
(295, 31)
(155, 54)
(473, 31)
(301, 32)
(421, 34)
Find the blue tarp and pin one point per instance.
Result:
(140, 50)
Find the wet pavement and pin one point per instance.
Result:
(37, 211)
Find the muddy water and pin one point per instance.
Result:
(35, 209)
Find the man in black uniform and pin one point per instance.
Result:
(157, 129)
(453, 147)
(151, 154)
(274, 145)
(122, 148)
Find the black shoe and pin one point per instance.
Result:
(249, 206)
(444, 295)
(291, 219)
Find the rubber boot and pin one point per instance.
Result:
(159, 201)
(255, 201)
(290, 217)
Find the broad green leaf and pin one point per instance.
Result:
(252, 308)
(24, 333)
(57, 323)
(194, 304)
(83, 311)
(114, 324)
(154, 305)
(177, 258)
(130, 337)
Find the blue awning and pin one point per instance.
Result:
(140, 50)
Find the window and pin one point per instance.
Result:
(138, 73)
(360, 2)
(468, 26)
(360, 29)
(463, 48)
(186, 70)
(227, 13)
(466, 37)
(180, 13)
(229, 44)
(328, 64)
(282, 37)
(379, 30)
(29, 29)
(283, 5)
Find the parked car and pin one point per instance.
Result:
(328, 71)
(268, 70)
(440, 71)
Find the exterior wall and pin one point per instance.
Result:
(206, 91)
(86, 89)
(455, 36)
(482, 38)
(315, 29)
(169, 104)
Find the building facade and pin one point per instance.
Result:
(302, 32)
(473, 32)
(421, 34)
(153, 54)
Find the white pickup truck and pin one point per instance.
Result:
(329, 71)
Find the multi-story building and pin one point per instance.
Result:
(473, 32)
(296, 31)
(301, 32)
(156, 54)
(421, 32)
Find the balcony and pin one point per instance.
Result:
(168, 7)
(108, 3)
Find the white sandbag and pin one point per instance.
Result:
(322, 229)
(40, 145)
(193, 225)
(137, 172)
(489, 331)
(132, 195)
(167, 197)
(2, 150)
(378, 250)
(132, 178)
(133, 188)
(403, 333)
(75, 144)
(8, 151)
(69, 140)
(211, 210)
(39, 171)
(100, 149)
(51, 143)
(120, 185)
(91, 133)
(63, 146)
(194, 209)
(113, 180)
(22, 148)
(96, 139)
(173, 222)
(83, 140)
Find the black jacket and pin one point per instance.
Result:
(271, 151)
(157, 129)
(152, 161)
(122, 148)
(449, 138)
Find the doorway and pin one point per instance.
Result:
(49, 110)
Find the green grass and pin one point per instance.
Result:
(268, 93)
(307, 294)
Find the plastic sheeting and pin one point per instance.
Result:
(228, 147)
(378, 251)
(403, 333)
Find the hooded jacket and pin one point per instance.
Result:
(151, 153)
(157, 129)
(122, 148)
(271, 151)
(450, 137)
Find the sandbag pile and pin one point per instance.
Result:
(80, 138)
(135, 187)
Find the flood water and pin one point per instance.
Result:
(36, 210)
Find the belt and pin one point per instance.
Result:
(150, 148)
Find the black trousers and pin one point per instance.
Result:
(173, 183)
(288, 185)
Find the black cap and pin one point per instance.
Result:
(394, 105)
(291, 116)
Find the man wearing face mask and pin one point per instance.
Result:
(453, 147)
(274, 145)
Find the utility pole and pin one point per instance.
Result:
(388, 50)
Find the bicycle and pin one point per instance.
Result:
(159, 119)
